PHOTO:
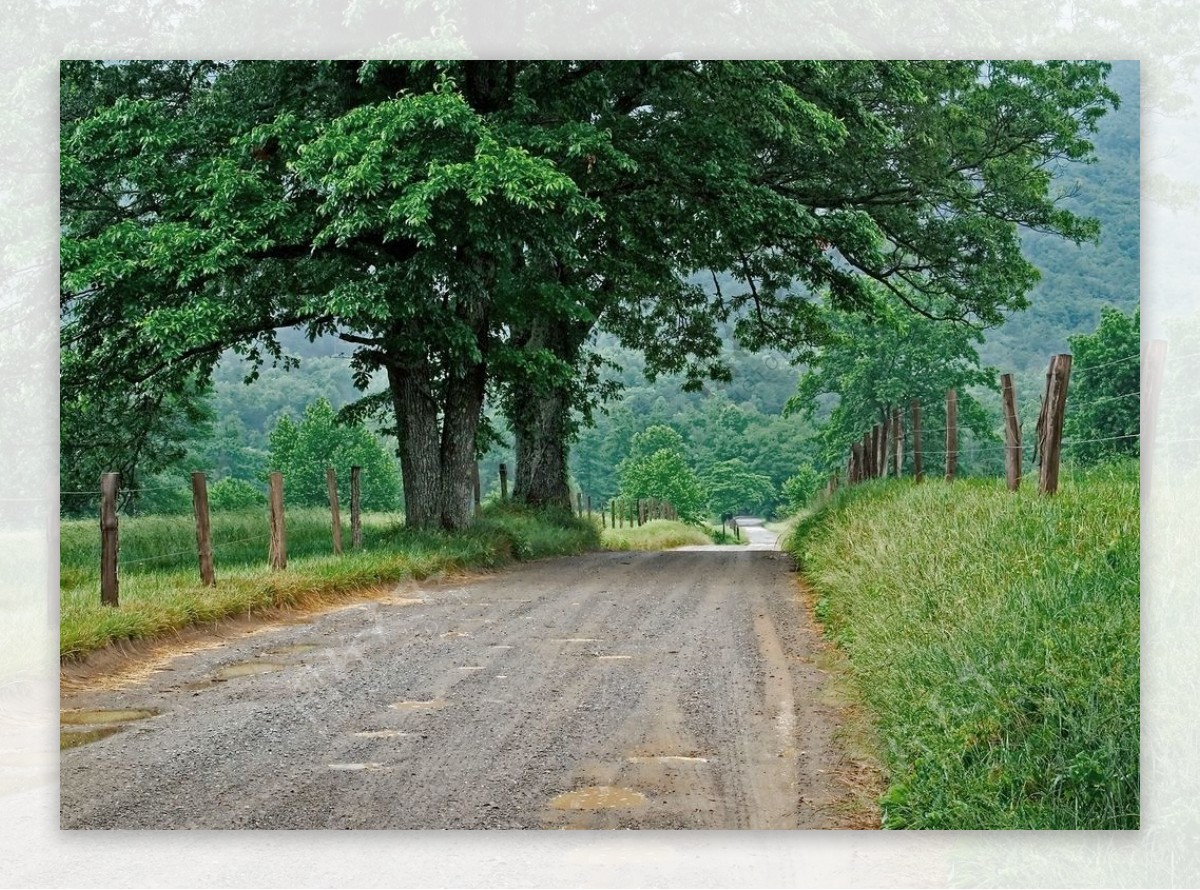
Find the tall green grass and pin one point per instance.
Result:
(657, 534)
(995, 639)
(155, 600)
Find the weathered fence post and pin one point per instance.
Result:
(1152, 373)
(612, 505)
(334, 511)
(867, 451)
(477, 487)
(951, 432)
(278, 552)
(208, 577)
(589, 506)
(737, 531)
(356, 507)
(579, 503)
(897, 443)
(109, 482)
(1056, 409)
(503, 482)
(1012, 433)
(855, 470)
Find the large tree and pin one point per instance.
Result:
(469, 224)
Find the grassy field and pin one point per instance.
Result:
(657, 534)
(995, 640)
(160, 589)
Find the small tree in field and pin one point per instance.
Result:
(303, 451)
(1103, 404)
(732, 487)
(657, 468)
(800, 488)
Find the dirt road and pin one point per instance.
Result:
(612, 690)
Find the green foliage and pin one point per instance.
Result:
(656, 438)
(666, 475)
(657, 534)
(994, 639)
(1103, 400)
(871, 367)
(801, 488)
(230, 494)
(302, 452)
(431, 211)
(734, 488)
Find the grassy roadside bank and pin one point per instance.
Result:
(164, 598)
(995, 640)
(661, 534)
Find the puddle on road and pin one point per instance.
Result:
(68, 739)
(599, 797)
(294, 649)
(102, 716)
(382, 734)
(429, 705)
(247, 669)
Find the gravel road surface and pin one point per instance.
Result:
(611, 690)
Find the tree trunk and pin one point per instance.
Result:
(463, 406)
(540, 437)
(419, 445)
(539, 413)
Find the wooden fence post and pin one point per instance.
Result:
(335, 513)
(475, 484)
(916, 433)
(612, 505)
(109, 482)
(208, 576)
(278, 552)
(1152, 373)
(855, 470)
(1012, 433)
(589, 507)
(897, 443)
(356, 507)
(503, 482)
(951, 432)
(868, 467)
(1056, 409)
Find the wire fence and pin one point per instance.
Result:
(875, 455)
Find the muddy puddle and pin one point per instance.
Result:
(102, 716)
(74, 738)
(599, 797)
(247, 669)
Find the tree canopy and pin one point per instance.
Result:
(466, 226)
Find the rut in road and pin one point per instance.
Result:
(612, 690)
